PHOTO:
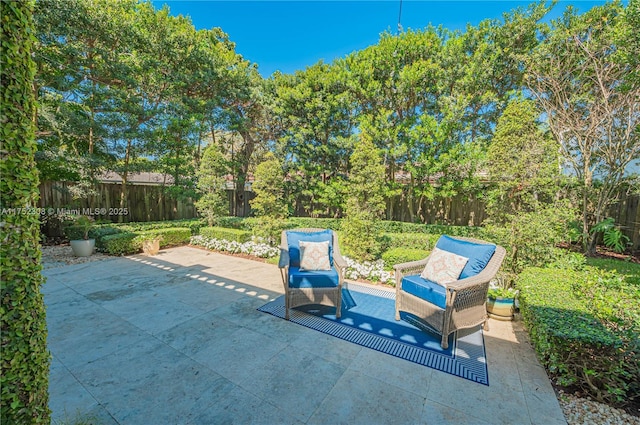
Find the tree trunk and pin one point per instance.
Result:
(125, 178)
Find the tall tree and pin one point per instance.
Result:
(317, 124)
(78, 57)
(270, 204)
(522, 161)
(579, 80)
(24, 355)
(213, 202)
(365, 202)
(523, 212)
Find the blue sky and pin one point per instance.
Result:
(291, 35)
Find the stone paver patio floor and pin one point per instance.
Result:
(176, 339)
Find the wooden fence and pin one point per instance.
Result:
(154, 203)
(143, 202)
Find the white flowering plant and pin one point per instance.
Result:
(369, 270)
(254, 248)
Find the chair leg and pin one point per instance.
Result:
(286, 307)
(339, 306)
(444, 342)
(485, 325)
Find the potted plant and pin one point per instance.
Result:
(501, 299)
(78, 234)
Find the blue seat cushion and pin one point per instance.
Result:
(294, 238)
(425, 289)
(313, 279)
(477, 253)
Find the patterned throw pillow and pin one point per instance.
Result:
(443, 267)
(314, 256)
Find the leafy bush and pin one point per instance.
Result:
(234, 222)
(268, 229)
(118, 244)
(422, 241)
(612, 236)
(193, 224)
(99, 233)
(389, 226)
(360, 238)
(530, 238)
(630, 271)
(322, 223)
(585, 326)
(168, 237)
(79, 228)
(131, 242)
(227, 234)
(402, 255)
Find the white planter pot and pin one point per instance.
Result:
(82, 247)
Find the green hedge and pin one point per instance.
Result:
(237, 235)
(422, 241)
(125, 243)
(321, 223)
(99, 233)
(193, 224)
(118, 244)
(389, 226)
(402, 255)
(585, 327)
(235, 222)
(383, 226)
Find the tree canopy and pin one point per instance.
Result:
(125, 87)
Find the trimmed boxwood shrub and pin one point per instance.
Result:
(118, 244)
(234, 222)
(435, 229)
(168, 237)
(585, 327)
(422, 241)
(402, 255)
(226, 234)
(194, 224)
(322, 223)
(131, 242)
(99, 233)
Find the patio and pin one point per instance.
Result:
(176, 339)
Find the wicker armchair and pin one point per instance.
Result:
(464, 301)
(310, 287)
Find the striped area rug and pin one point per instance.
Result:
(368, 319)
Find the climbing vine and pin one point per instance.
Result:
(24, 355)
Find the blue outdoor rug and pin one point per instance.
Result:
(368, 319)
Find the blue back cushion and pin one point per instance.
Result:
(294, 238)
(478, 254)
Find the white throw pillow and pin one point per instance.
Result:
(443, 267)
(314, 256)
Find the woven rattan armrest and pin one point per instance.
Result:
(339, 261)
(284, 258)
